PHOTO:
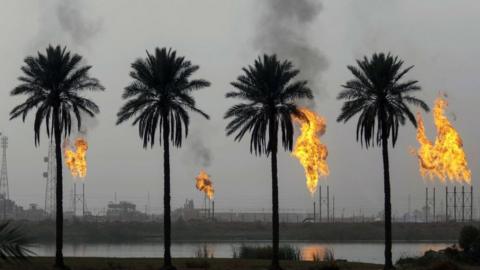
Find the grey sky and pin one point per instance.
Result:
(440, 38)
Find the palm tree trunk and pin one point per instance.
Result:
(167, 263)
(275, 226)
(59, 263)
(388, 205)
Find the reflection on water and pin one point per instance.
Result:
(313, 252)
(364, 252)
(206, 250)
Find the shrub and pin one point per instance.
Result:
(452, 252)
(445, 265)
(329, 256)
(203, 253)
(325, 267)
(266, 252)
(316, 257)
(468, 236)
(328, 262)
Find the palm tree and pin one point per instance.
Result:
(160, 96)
(53, 83)
(380, 98)
(268, 93)
(13, 243)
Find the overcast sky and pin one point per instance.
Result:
(441, 38)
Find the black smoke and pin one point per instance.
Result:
(284, 28)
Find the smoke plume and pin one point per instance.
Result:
(88, 123)
(72, 19)
(284, 29)
(65, 22)
(201, 153)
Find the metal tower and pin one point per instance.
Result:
(3, 172)
(51, 181)
(78, 200)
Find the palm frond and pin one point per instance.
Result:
(14, 244)
(268, 90)
(379, 99)
(52, 83)
(161, 91)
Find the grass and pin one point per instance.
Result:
(45, 263)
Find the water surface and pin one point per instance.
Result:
(363, 252)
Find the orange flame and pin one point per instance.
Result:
(309, 150)
(204, 184)
(76, 159)
(446, 157)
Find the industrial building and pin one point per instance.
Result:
(124, 211)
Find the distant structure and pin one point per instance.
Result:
(188, 212)
(51, 181)
(124, 211)
(34, 213)
(458, 204)
(4, 194)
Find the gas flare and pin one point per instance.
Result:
(204, 184)
(75, 159)
(446, 157)
(309, 150)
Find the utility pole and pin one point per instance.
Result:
(328, 204)
(4, 194)
(74, 199)
(333, 210)
(213, 210)
(409, 205)
(320, 204)
(434, 205)
(446, 204)
(455, 203)
(426, 205)
(51, 181)
(147, 211)
(471, 203)
(205, 205)
(83, 200)
(463, 203)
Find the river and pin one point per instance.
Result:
(362, 252)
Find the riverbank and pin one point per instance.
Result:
(129, 232)
(44, 263)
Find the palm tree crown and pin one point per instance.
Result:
(161, 91)
(53, 83)
(378, 95)
(269, 97)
